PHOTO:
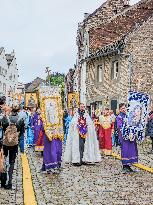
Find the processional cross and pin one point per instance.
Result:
(48, 71)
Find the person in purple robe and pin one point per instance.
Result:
(39, 133)
(52, 156)
(129, 151)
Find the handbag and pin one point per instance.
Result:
(1, 161)
(3, 176)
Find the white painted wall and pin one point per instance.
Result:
(8, 77)
(83, 84)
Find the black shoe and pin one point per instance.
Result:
(3, 179)
(130, 169)
(8, 186)
(125, 170)
(77, 164)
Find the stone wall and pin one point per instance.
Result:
(108, 89)
(140, 45)
(138, 53)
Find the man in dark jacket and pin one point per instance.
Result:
(150, 128)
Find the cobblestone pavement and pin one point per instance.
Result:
(14, 196)
(143, 149)
(101, 184)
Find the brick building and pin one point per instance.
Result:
(120, 56)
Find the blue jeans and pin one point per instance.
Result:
(21, 143)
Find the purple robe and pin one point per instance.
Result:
(129, 151)
(52, 154)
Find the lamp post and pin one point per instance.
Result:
(48, 71)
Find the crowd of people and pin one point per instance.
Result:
(85, 139)
(19, 128)
(108, 127)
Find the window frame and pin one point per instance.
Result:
(114, 75)
(100, 80)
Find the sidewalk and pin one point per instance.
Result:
(14, 196)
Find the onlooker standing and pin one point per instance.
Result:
(3, 125)
(10, 144)
(22, 121)
(150, 128)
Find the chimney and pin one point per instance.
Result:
(13, 53)
(86, 15)
(126, 3)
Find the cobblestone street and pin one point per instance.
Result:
(15, 196)
(95, 185)
(103, 183)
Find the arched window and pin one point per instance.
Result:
(114, 70)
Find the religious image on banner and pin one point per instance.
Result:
(52, 113)
(137, 112)
(31, 100)
(73, 100)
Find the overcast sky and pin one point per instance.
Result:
(42, 33)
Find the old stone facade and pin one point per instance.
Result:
(106, 11)
(121, 57)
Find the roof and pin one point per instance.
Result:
(93, 13)
(33, 86)
(103, 7)
(120, 26)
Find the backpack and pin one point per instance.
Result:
(11, 136)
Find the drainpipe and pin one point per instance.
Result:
(130, 62)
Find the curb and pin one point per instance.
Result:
(28, 190)
(140, 166)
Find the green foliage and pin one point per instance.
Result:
(57, 79)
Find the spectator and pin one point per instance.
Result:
(150, 128)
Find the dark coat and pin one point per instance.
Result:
(150, 126)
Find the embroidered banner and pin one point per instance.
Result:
(52, 113)
(137, 112)
(73, 100)
(31, 100)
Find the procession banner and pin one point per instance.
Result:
(73, 100)
(31, 100)
(18, 99)
(52, 113)
(137, 112)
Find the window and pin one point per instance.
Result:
(114, 70)
(100, 73)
